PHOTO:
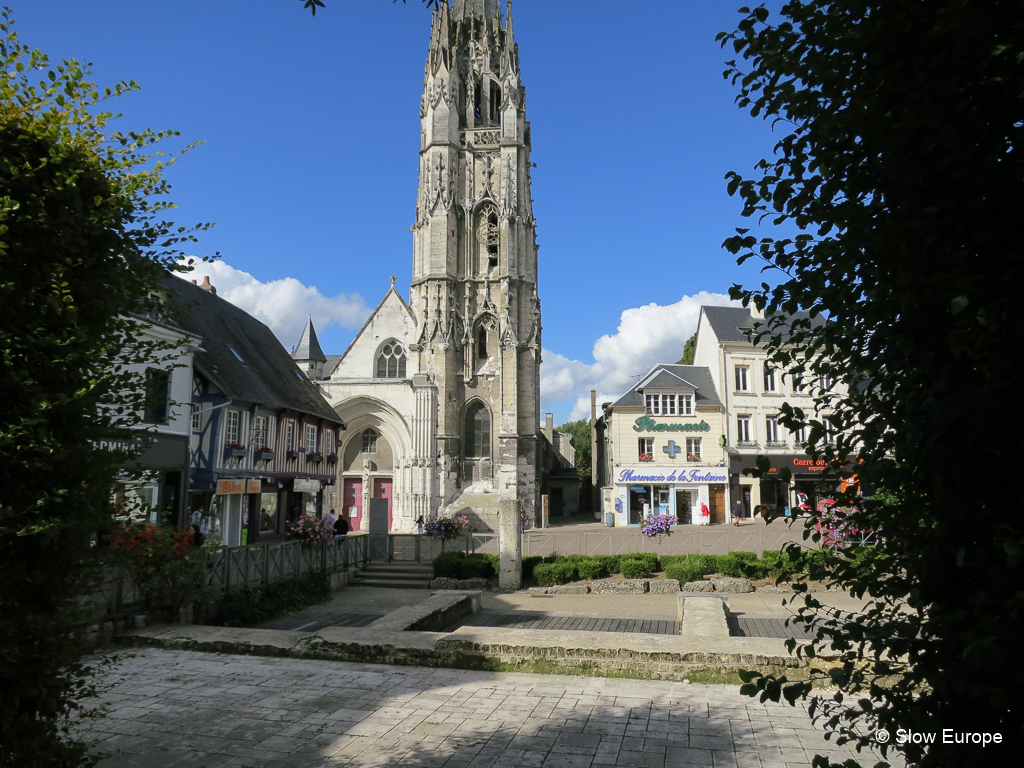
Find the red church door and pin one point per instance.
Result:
(382, 489)
(353, 499)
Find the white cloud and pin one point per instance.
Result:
(646, 335)
(284, 305)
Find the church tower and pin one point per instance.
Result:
(474, 284)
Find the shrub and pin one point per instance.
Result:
(610, 563)
(447, 564)
(650, 558)
(684, 571)
(591, 568)
(636, 568)
(549, 574)
(477, 566)
(529, 563)
(246, 607)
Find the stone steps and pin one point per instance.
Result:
(394, 576)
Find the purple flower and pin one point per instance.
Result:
(657, 525)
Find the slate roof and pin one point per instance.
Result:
(241, 355)
(726, 322)
(671, 377)
(309, 346)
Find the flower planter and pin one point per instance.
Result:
(291, 454)
(264, 455)
(331, 458)
(314, 458)
(234, 453)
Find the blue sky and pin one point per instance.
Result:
(309, 166)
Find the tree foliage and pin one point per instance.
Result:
(580, 433)
(81, 242)
(900, 167)
(688, 350)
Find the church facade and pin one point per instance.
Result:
(440, 393)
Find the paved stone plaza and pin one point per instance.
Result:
(176, 708)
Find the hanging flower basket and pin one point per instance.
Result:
(314, 458)
(657, 525)
(446, 528)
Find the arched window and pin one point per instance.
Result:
(478, 432)
(481, 345)
(488, 236)
(391, 361)
(370, 441)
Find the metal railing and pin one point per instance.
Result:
(416, 548)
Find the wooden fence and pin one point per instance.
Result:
(249, 567)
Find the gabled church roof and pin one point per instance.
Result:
(336, 360)
(309, 345)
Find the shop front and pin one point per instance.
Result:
(681, 494)
(151, 487)
(806, 489)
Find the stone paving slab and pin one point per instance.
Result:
(181, 708)
(579, 623)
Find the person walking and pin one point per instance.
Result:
(195, 537)
(341, 527)
(331, 518)
(419, 525)
(737, 512)
(705, 515)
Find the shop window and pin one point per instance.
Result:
(743, 431)
(369, 441)
(234, 420)
(741, 378)
(477, 432)
(769, 379)
(310, 438)
(391, 361)
(645, 449)
(268, 513)
(158, 385)
(693, 449)
(771, 430)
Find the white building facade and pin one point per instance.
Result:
(753, 392)
(660, 450)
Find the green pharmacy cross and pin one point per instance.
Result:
(672, 449)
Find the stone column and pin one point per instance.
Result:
(510, 545)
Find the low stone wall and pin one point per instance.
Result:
(612, 587)
(663, 657)
(441, 610)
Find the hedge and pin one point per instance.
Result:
(558, 569)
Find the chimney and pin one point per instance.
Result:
(207, 286)
(194, 282)
(757, 314)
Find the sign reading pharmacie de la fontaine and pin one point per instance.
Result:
(669, 475)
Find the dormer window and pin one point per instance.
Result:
(668, 405)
